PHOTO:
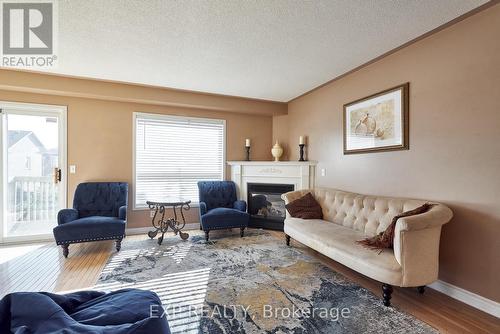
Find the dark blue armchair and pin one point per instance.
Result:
(219, 208)
(99, 213)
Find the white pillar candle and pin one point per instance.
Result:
(301, 140)
(247, 142)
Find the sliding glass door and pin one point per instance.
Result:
(33, 169)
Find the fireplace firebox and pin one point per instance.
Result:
(265, 206)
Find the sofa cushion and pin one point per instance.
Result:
(124, 311)
(220, 218)
(90, 228)
(109, 309)
(305, 207)
(338, 243)
(368, 214)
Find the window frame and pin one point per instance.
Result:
(138, 114)
(27, 162)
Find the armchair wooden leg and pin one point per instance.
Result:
(242, 232)
(118, 244)
(287, 238)
(206, 235)
(421, 289)
(386, 293)
(65, 250)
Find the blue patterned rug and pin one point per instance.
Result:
(254, 284)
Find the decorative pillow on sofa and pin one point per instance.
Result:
(305, 207)
(386, 239)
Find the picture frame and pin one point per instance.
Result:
(377, 123)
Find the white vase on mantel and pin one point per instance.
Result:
(277, 151)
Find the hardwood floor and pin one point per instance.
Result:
(42, 267)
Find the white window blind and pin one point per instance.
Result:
(173, 153)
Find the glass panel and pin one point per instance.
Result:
(32, 193)
(264, 200)
(267, 205)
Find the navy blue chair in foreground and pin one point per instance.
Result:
(219, 208)
(99, 213)
(127, 311)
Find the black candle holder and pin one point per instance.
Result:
(248, 152)
(302, 152)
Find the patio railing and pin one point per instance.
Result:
(32, 198)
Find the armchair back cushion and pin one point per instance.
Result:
(100, 198)
(217, 194)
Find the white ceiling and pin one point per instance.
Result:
(274, 50)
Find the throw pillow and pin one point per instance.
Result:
(305, 207)
(386, 239)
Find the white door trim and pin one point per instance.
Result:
(33, 109)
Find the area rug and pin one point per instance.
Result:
(254, 284)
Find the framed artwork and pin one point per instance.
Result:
(377, 122)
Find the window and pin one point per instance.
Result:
(27, 163)
(173, 153)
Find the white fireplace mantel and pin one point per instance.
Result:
(301, 174)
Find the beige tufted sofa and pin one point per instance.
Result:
(348, 217)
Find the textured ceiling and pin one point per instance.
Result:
(274, 50)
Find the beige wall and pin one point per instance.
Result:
(280, 135)
(100, 136)
(454, 154)
(50, 84)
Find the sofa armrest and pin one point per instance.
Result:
(122, 212)
(203, 208)
(66, 215)
(438, 215)
(416, 245)
(240, 205)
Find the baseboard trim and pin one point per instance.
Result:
(484, 304)
(137, 230)
(144, 230)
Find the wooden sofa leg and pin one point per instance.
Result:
(118, 244)
(206, 235)
(386, 293)
(421, 289)
(65, 250)
(287, 238)
(242, 232)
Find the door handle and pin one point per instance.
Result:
(57, 175)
